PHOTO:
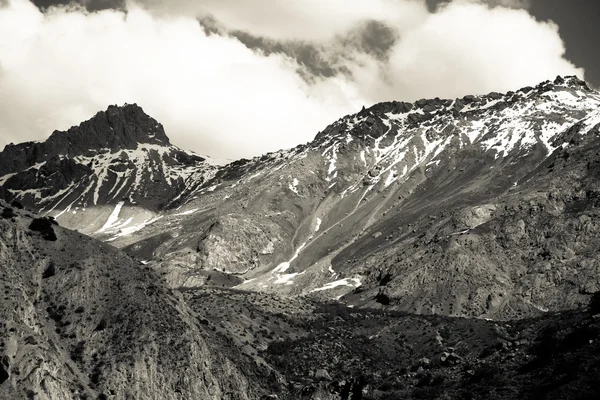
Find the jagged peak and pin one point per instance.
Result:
(117, 128)
(125, 125)
(569, 81)
(565, 92)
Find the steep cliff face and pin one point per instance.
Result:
(82, 320)
(117, 128)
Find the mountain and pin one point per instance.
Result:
(436, 249)
(483, 206)
(120, 157)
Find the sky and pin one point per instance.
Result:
(238, 78)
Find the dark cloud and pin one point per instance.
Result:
(373, 37)
(90, 5)
(317, 60)
(211, 26)
(510, 3)
(433, 5)
(308, 55)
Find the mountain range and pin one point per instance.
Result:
(457, 235)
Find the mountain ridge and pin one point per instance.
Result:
(119, 156)
(306, 221)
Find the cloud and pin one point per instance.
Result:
(256, 76)
(510, 3)
(309, 20)
(212, 93)
(90, 5)
(320, 59)
(515, 4)
(469, 48)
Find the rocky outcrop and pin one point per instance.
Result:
(115, 129)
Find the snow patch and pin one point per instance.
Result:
(318, 225)
(124, 231)
(285, 265)
(287, 279)
(590, 122)
(114, 217)
(294, 186)
(352, 282)
(188, 212)
(390, 179)
(6, 177)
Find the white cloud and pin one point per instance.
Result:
(212, 94)
(216, 96)
(470, 48)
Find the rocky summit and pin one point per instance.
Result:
(446, 248)
(119, 157)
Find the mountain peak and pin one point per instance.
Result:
(569, 80)
(117, 128)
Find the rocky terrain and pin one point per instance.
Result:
(119, 163)
(82, 320)
(341, 269)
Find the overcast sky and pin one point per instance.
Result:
(237, 78)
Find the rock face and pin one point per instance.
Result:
(79, 319)
(117, 128)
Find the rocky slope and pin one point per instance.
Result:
(329, 351)
(80, 319)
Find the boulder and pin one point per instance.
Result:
(322, 374)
